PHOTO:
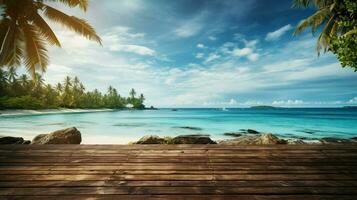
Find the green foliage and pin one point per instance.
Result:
(345, 49)
(23, 93)
(338, 22)
(345, 46)
(22, 102)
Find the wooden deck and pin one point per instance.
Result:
(178, 172)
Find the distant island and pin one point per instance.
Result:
(21, 92)
(350, 107)
(263, 107)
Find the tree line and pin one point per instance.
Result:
(23, 92)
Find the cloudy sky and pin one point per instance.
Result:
(203, 53)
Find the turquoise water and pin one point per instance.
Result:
(123, 126)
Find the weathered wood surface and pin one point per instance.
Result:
(178, 172)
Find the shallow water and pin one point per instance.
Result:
(120, 127)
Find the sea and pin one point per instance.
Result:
(124, 126)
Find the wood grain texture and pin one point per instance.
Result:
(178, 172)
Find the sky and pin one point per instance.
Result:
(202, 53)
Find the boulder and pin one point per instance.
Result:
(331, 140)
(190, 128)
(266, 138)
(233, 134)
(295, 141)
(251, 131)
(192, 139)
(151, 139)
(64, 136)
(12, 140)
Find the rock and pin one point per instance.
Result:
(295, 141)
(151, 139)
(354, 138)
(27, 142)
(248, 131)
(64, 136)
(331, 140)
(11, 140)
(233, 134)
(266, 138)
(189, 127)
(152, 108)
(192, 139)
(251, 131)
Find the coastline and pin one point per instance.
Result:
(21, 112)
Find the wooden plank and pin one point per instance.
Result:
(173, 172)
(207, 177)
(111, 183)
(182, 197)
(182, 147)
(178, 171)
(177, 190)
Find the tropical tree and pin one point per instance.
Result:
(24, 33)
(67, 92)
(337, 20)
(3, 82)
(12, 75)
(132, 93)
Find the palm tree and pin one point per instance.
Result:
(132, 93)
(24, 80)
(326, 16)
(59, 88)
(24, 33)
(12, 75)
(142, 98)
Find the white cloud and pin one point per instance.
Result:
(232, 102)
(246, 52)
(189, 28)
(353, 100)
(141, 50)
(199, 55)
(212, 38)
(211, 57)
(242, 52)
(275, 35)
(201, 46)
(288, 102)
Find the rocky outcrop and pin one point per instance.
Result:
(13, 140)
(189, 128)
(192, 139)
(266, 138)
(151, 139)
(182, 139)
(331, 140)
(64, 136)
(295, 141)
(233, 134)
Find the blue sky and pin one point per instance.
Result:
(203, 53)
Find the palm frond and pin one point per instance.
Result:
(73, 23)
(353, 31)
(45, 30)
(325, 36)
(314, 21)
(35, 50)
(11, 51)
(82, 4)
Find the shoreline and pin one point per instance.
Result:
(21, 112)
